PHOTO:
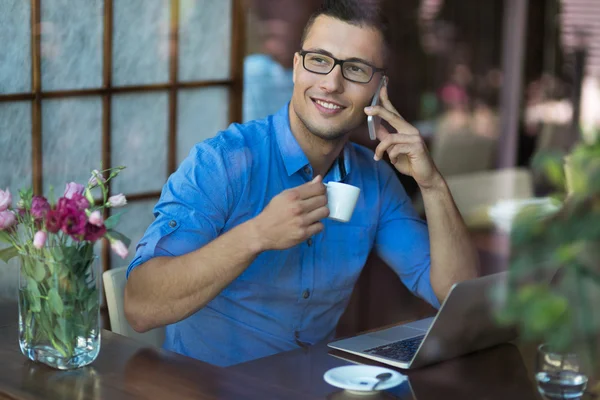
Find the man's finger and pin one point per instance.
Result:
(317, 215)
(315, 228)
(312, 188)
(314, 203)
(385, 100)
(395, 120)
(393, 140)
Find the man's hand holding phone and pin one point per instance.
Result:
(405, 147)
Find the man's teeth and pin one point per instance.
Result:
(328, 105)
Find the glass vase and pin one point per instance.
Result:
(59, 307)
(559, 375)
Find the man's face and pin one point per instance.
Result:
(329, 105)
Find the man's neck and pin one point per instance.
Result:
(320, 153)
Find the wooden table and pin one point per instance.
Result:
(498, 373)
(127, 369)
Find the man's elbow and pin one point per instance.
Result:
(134, 312)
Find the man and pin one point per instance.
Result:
(241, 261)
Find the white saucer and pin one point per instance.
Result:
(359, 379)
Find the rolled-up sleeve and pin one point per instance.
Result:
(194, 204)
(402, 239)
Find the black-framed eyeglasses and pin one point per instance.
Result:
(353, 70)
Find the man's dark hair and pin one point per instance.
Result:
(362, 13)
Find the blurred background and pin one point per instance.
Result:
(92, 84)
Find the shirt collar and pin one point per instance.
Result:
(292, 154)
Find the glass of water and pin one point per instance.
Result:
(559, 375)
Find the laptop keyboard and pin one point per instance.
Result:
(403, 350)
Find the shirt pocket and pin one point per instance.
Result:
(345, 249)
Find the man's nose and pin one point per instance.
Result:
(333, 81)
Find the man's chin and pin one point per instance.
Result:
(329, 134)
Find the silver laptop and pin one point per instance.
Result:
(464, 324)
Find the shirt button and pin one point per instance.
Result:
(309, 242)
(307, 170)
(172, 223)
(306, 294)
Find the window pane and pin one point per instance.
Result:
(71, 141)
(15, 173)
(71, 44)
(140, 42)
(201, 114)
(139, 141)
(15, 146)
(204, 39)
(134, 222)
(15, 57)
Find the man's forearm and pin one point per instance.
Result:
(165, 290)
(453, 254)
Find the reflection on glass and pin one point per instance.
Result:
(15, 57)
(139, 141)
(71, 140)
(204, 39)
(140, 42)
(71, 43)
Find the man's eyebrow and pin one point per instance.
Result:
(327, 53)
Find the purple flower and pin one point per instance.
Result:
(80, 202)
(53, 221)
(72, 188)
(73, 223)
(5, 199)
(39, 239)
(96, 175)
(7, 219)
(39, 207)
(94, 232)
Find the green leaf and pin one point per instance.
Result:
(113, 220)
(5, 237)
(34, 293)
(55, 302)
(120, 236)
(39, 271)
(7, 254)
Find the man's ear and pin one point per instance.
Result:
(297, 62)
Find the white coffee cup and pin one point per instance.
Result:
(341, 200)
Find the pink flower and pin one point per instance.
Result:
(5, 199)
(39, 207)
(7, 219)
(39, 239)
(119, 248)
(96, 218)
(96, 175)
(73, 188)
(53, 221)
(118, 200)
(94, 232)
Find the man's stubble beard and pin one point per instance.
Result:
(328, 135)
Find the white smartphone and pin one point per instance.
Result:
(374, 122)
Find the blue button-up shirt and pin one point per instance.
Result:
(290, 296)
